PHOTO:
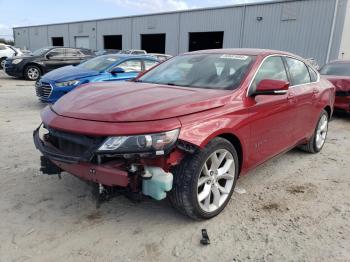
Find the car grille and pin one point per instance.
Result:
(73, 144)
(43, 89)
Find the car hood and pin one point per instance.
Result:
(132, 102)
(67, 73)
(24, 57)
(341, 83)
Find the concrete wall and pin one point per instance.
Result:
(303, 27)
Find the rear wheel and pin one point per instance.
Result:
(318, 139)
(32, 73)
(204, 181)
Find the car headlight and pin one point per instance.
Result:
(16, 61)
(159, 143)
(68, 83)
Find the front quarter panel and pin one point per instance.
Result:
(231, 119)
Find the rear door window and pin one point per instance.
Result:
(72, 52)
(57, 52)
(313, 74)
(298, 71)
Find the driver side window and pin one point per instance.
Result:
(272, 68)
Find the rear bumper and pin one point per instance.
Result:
(111, 174)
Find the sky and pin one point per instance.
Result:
(34, 12)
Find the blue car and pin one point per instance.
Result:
(117, 67)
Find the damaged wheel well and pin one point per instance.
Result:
(238, 146)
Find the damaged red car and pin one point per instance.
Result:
(338, 72)
(188, 128)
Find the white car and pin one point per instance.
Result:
(161, 57)
(133, 52)
(7, 51)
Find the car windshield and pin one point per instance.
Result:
(213, 71)
(41, 51)
(100, 63)
(337, 69)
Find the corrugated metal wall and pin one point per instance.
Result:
(114, 27)
(302, 27)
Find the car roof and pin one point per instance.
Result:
(243, 51)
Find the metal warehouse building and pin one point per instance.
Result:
(317, 29)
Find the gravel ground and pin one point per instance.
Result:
(296, 207)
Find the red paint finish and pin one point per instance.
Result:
(342, 85)
(109, 175)
(263, 125)
(268, 85)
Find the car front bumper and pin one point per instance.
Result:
(111, 174)
(13, 70)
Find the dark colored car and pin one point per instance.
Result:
(188, 127)
(43, 60)
(338, 72)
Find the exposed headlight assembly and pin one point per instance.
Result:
(159, 143)
(16, 61)
(68, 83)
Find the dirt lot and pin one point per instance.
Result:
(297, 206)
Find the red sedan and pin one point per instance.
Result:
(338, 72)
(189, 127)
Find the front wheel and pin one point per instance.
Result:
(32, 73)
(204, 181)
(318, 139)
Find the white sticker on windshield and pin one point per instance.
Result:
(112, 59)
(238, 57)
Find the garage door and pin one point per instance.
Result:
(82, 42)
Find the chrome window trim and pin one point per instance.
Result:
(283, 55)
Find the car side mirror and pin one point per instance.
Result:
(272, 87)
(117, 70)
(48, 56)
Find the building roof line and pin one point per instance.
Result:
(163, 13)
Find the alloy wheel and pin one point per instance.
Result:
(216, 180)
(33, 73)
(321, 132)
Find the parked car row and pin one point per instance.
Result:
(160, 57)
(185, 129)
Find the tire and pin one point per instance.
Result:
(186, 192)
(2, 61)
(32, 73)
(314, 145)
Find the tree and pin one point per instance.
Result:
(7, 42)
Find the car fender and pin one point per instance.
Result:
(35, 64)
(199, 129)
